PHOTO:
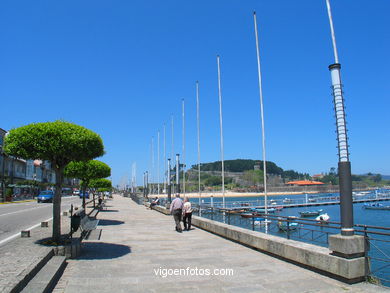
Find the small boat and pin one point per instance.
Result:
(247, 215)
(235, 211)
(284, 227)
(375, 206)
(307, 214)
(261, 221)
(287, 200)
(323, 218)
(312, 199)
(262, 211)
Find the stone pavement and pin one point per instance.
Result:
(20, 256)
(139, 250)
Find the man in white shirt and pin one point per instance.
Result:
(176, 210)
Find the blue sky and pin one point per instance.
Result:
(122, 67)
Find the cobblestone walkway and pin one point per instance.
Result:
(19, 256)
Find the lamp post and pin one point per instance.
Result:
(177, 174)
(169, 181)
(344, 165)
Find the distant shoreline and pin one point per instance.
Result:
(235, 194)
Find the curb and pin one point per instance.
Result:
(21, 201)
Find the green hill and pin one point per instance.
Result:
(240, 165)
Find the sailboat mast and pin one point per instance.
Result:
(158, 162)
(221, 130)
(152, 174)
(184, 148)
(262, 113)
(198, 131)
(172, 148)
(164, 160)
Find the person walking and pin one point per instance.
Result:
(187, 214)
(177, 210)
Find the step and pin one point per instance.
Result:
(46, 279)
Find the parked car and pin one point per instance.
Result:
(66, 191)
(86, 194)
(45, 196)
(76, 192)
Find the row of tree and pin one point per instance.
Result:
(69, 147)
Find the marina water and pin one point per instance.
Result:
(378, 249)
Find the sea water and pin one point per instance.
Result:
(378, 249)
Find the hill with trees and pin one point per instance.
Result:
(243, 165)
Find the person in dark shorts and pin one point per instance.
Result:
(177, 210)
(187, 214)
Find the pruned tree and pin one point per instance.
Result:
(87, 171)
(59, 142)
(100, 185)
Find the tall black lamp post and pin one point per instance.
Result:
(344, 165)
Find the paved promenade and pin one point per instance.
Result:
(138, 246)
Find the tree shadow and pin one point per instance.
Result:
(104, 222)
(102, 250)
(48, 241)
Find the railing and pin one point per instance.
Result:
(311, 231)
(310, 199)
(378, 252)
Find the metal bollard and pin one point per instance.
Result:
(288, 228)
(25, 234)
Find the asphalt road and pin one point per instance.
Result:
(16, 217)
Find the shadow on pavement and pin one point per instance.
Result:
(102, 250)
(104, 222)
(108, 211)
(64, 239)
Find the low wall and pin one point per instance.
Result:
(161, 209)
(311, 256)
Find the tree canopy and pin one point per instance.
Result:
(101, 183)
(86, 171)
(59, 142)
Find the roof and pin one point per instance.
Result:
(304, 182)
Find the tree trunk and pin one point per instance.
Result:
(57, 205)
